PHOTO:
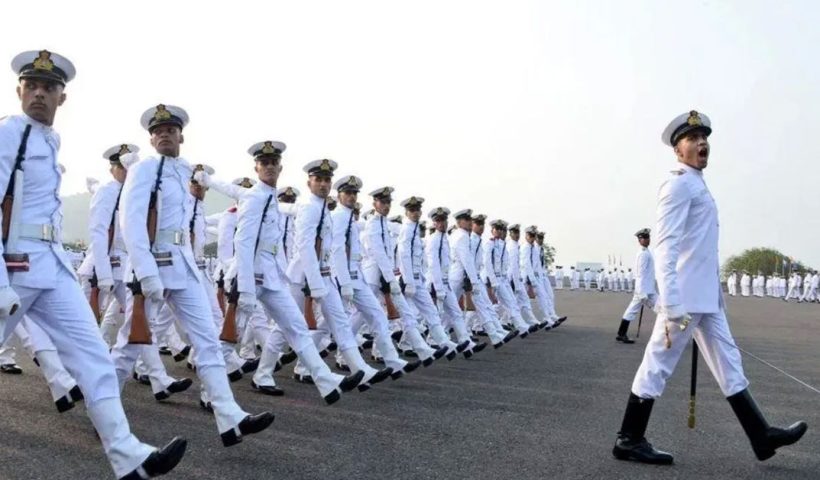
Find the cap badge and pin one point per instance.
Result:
(268, 148)
(43, 61)
(162, 114)
(694, 119)
(123, 149)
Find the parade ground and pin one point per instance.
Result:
(544, 407)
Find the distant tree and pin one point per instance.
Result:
(77, 246)
(549, 253)
(766, 260)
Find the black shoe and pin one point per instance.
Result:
(306, 379)
(440, 353)
(271, 390)
(64, 403)
(409, 353)
(367, 344)
(250, 365)
(11, 369)
(640, 451)
(544, 325)
(331, 347)
(324, 353)
(332, 397)
(190, 366)
(287, 358)
(622, 332)
(381, 376)
(467, 353)
(342, 367)
(510, 336)
(428, 361)
(462, 346)
(142, 379)
(479, 347)
(396, 336)
(764, 438)
(523, 334)
(164, 350)
(377, 359)
(160, 461)
(183, 354)
(176, 387)
(561, 320)
(631, 443)
(451, 355)
(480, 333)
(351, 381)
(248, 426)
(206, 406)
(76, 394)
(533, 328)
(411, 366)
(235, 376)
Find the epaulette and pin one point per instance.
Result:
(677, 172)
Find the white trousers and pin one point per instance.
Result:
(634, 307)
(716, 345)
(64, 315)
(192, 307)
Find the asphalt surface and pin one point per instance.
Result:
(543, 407)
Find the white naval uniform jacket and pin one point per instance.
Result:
(41, 204)
(528, 260)
(410, 253)
(259, 257)
(437, 253)
(514, 264)
(494, 262)
(687, 267)
(305, 266)
(463, 260)
(102, 210)
(379, 261)
(346, 238)
(176, 209)
(645, 266)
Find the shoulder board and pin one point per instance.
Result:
(677, 172)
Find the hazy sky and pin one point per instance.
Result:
(545, 113)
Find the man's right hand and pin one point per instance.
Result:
(247, 302)
(152, 288)
(9, 301)
(318, 293)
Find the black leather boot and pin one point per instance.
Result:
(764, 438)
(622, 333)
(631, 443)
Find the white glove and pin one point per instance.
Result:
(247, 302)
(105, 284)
(347, 293)
(129, 159)
(9, 301)
(152, 288)
(409, 289)
(91, 184)
(201, 177)
(395, 289)
(318, 293)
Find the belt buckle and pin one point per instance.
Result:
(46, 233)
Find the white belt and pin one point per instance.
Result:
(174, 237)
(44, 233)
